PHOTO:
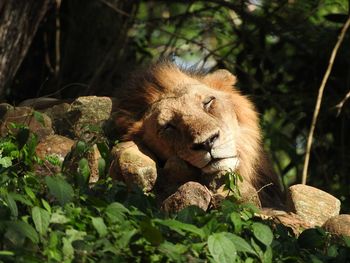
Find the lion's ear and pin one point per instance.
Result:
(220, 79)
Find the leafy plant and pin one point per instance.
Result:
(48, 219)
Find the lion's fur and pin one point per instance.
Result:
(161, 79)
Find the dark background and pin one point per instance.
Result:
(279, 51)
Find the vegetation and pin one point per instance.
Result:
(60, 219)
(279, 51)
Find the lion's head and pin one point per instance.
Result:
(200, 118)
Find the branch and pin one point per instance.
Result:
(57, 38)
(319, 98)
(340, 105)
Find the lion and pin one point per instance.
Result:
(201, 119)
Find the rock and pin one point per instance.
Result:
(248, 194)
(38, 123)
(134, 165)
(93, 158)
(56, 146)
(4, 107)
(93, 111)
(288, 219)
(191, 193)
(82, 115)
(62, 119)
(338, 225)
(40, 103)
(216, 184)
(311, 204)
(92, 155)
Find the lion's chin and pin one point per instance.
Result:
(221, 165)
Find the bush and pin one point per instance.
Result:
(55, 219)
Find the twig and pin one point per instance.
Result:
(319, 98)
(47, 55)
(58, 38)
(264, 186)
(340, 105)
(116, 9)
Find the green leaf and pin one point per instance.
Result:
(46, 205)
(151, 233)
(104, 150)
(189, 213)
(6, 253)
(60, 189)
(53, 159)
(180, 227)
(240, 244)
(24, 229)
(30, 193)
(31, 145)
(21, 198)
(101, 167)
(116, 212)
(332, 251)
(236, 221)
(99, 225)
(346, 240)
(41, 219)
(11, 203)
(84, 171)
(5, 161)
(58, 217)
(175, 252)
(222, 248)
(39, 117)
(257, 248)
(71, 236)
(54, 248)
(262, 233)
(268, 255)
(81, 148)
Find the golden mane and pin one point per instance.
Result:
(159, 80)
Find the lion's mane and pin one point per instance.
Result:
(148, 86)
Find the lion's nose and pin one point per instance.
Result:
(206, 145)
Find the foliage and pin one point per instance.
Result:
(58, 219)
(278, 50)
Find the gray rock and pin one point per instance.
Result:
(338, 225)
(55, 146)
(311, 204)
(134, 165)
(93, 111)
(4, 107)
(71, 164)
(38, 123)
(93, 158)
(216, 184)
(82, 116)
(191, 193)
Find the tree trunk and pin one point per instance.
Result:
(19, 20)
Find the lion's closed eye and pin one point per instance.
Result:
(167, 128)
(207, 103)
